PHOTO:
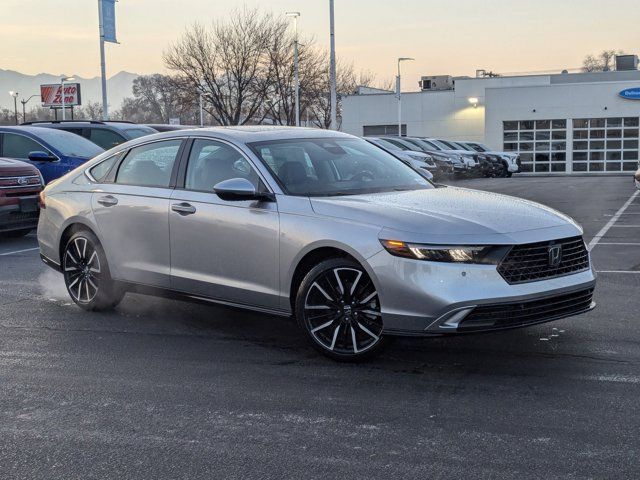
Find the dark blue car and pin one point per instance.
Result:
(53, 152)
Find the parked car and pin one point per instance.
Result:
(474, 163)
(447, 164)
(316, 224)
(418, 160)
(511, 159)
(465, 166)
(20, 185)
(53, 152)
(105, 134)
(637, 178)
(490, 165)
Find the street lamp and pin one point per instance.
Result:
(399, 94)
(15, 104)
(332, 68)
(24, 103)
(62, 81)
(295, 16)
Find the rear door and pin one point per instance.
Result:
(132, 213)
(227, 250)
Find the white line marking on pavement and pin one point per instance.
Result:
(616, 378)
(625, 226)
(618, 271)
(595, 240)
(614, 243)
(19, 251)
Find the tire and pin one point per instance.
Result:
(86, 274)
(16, 233)
(348, 327)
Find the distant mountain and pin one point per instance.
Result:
(118, 87)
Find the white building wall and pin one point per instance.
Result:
(555, 101)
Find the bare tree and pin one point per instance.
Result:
(347, 79)
(602, 62)
(231, 64)
(281, 99)
(91, 111)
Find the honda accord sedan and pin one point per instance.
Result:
(318, 225)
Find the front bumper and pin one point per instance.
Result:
(427, 298)
(19, 216)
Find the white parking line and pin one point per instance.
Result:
(619, 271)
(595, 240)
(19, 251)
(621, 243)
(615, 378)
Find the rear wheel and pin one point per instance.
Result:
(338, 307)
(86, 274)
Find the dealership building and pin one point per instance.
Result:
(566, 122)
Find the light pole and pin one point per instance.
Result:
(24, 103)
(62, 81)
(332, 69)
(295, 16)
(399, 94)
(15, 104)
(200, 90)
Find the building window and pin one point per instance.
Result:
(381, 130)
(542, 144)
(605, 144)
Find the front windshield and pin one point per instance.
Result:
(69, 144)
(434, 146)
(136, 132)
(462, 146)
(389, 145)
(336, 166)
(446, 145)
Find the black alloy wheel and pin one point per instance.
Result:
(86, 274)
(338, 307)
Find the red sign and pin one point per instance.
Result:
(51, 95)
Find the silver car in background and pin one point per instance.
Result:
(312, 223)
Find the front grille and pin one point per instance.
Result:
(530, 262)
(510, 315)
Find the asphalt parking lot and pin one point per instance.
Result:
(164, 389)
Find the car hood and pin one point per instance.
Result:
(10, 167)
(451, 215)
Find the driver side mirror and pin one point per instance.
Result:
(40, 156)
(237, 189)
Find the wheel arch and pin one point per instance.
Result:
(315, 254)
(72, 227)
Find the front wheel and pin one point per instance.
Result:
(338, 307)
(86, 274)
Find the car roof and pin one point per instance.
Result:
(84, 124)
(251, 134)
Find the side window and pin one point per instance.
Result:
(100, 171)
(105, 138)
(149, 165)
(19, 146)
(212, 162)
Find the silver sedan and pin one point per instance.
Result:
(324, 226)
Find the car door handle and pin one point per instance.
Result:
(108, 201)
(183, 208)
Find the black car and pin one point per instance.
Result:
(166, 127)
(106, 134)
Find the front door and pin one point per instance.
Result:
(226, 250)
(132, 214)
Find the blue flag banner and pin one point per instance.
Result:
(109, 20)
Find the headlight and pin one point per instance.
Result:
(487, 255)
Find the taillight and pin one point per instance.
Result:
(41, 200)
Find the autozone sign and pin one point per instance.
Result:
(51, 95)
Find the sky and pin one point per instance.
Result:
(453, 37)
